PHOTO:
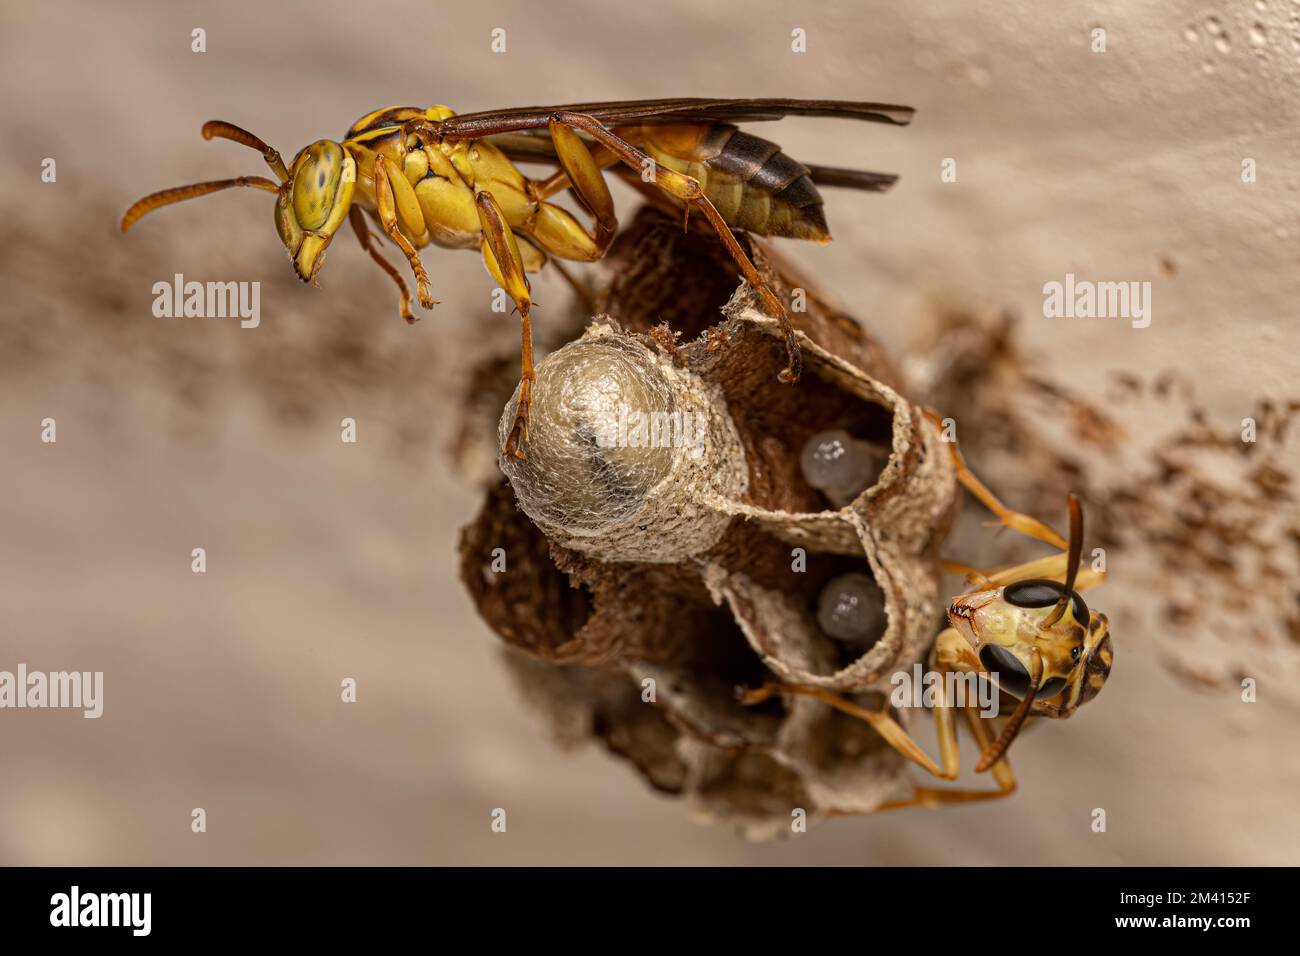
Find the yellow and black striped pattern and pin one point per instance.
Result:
(753, 184)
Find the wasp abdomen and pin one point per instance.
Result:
(754, 185)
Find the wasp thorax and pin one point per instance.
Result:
(624, 453)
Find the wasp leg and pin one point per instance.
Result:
(362, 230)
(972, 575)
(502, 258)
(1015, 520)
(688, 191)
(535, 259)
(560, 180)
(1053, 566)
(939, 797)
(387, 208)
(946, 731)
(882, 723)
(555, 229)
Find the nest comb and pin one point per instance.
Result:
(685, 570)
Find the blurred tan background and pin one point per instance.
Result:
(328, 560)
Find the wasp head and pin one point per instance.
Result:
(313, 194)
(1006, 625)
(313, 203)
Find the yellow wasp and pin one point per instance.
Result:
(428, 176)
(1026, 629)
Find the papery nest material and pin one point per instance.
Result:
(695, 568)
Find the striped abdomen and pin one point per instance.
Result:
(754, 185)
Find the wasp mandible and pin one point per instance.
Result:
(1026, 629)
(429, 176)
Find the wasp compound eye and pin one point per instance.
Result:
(1033, 593)
(1010, 675)
(316, 183)
(1041, 592)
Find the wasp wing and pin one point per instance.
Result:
(524, 147)
(838, 178)
(686, 110)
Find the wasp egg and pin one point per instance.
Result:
(839, 466)
(851, 607)
(622, 453)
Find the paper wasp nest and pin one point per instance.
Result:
(685, 567)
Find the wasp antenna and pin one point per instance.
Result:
(1000, 746)
(1072, 565)
(242, 136)
(181, 193)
